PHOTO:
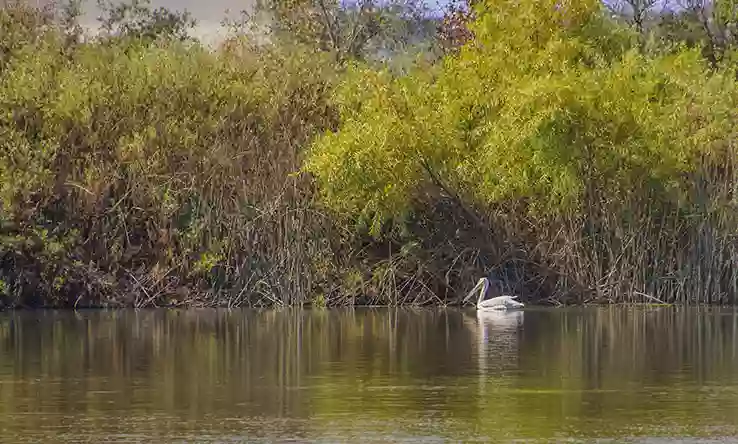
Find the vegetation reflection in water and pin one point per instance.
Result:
(374, 374)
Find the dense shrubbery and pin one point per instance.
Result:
(143, 173)
(600, 171)
(554, 149)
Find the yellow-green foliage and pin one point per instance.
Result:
(147, 112)
(136, 156)
(373, 163)
(550, 101)
(19, 25)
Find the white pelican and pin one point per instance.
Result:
(497, 303)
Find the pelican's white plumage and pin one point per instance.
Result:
(496, 303)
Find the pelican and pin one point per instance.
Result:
(497, 303)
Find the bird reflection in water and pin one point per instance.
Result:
(497, 341)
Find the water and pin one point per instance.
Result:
(369, 375)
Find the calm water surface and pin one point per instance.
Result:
(369, 375)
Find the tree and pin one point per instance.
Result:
(710, 24)
(550, 104)
(718, 20)
(139, 20)
(454, 29)
(351, 30)
(637, 11)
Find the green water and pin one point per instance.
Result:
(370, 375)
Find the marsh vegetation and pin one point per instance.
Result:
(369, 154)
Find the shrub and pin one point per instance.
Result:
(140, 172)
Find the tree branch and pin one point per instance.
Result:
(329, 25)
(453, 195)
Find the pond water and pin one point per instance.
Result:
(370, 375)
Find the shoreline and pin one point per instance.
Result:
(275, 307)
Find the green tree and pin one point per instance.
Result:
(576, 107)
(353, 30)
(137, 19)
